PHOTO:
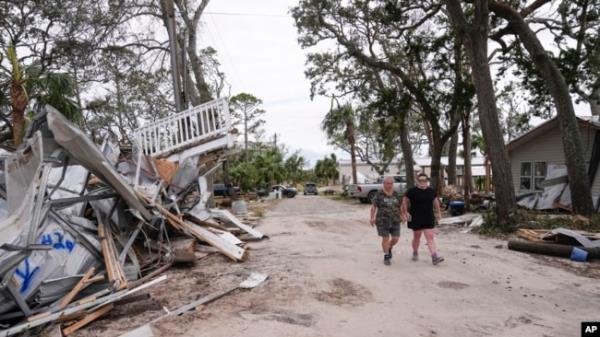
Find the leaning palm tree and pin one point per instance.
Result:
(341, 121)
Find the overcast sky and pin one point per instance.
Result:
(259, 54)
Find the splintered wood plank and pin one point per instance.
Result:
(87, 319)
(228, 249)
(529, 234)
(78, 287)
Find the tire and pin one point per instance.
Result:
(371, 196)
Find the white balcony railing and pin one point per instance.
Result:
(187, 128)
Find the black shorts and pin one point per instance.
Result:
(415, 226)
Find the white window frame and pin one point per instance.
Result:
(526, 176)
(532, 176)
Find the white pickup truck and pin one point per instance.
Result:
(366, 192)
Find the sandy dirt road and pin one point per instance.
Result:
(327, 279)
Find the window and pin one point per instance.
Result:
(525, 183)
(532, 175)
(539, 174)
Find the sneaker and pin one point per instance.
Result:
(436, 259)
(386, 260)
(415, 257)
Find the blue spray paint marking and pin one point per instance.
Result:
(59, 243)
(26, 275)
(47, 239)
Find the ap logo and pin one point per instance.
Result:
(590, 329)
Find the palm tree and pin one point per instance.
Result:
(18, 95)
(31, 83)
(341, 120)
(326, 169)
(294, 166)
(270, 167)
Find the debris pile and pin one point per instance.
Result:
(82, 227)
(562, 242)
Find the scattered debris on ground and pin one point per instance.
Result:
(561, 242)
(469, 220)
(84, 228)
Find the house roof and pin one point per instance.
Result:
(426, 161)
(585, 121)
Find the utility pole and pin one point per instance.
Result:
(171, 28)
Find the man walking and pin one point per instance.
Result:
(418, 207)
(385, 214)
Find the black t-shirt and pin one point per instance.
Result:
(421, 205)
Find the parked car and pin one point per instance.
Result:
(366, 192)
(310, 188)
(288, 192)
(220, 190)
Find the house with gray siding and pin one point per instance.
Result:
(531, 153)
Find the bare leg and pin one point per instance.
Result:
(394, 241)
(385, 244)
(430, 242)
(416, 240)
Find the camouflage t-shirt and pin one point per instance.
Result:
(388, 207)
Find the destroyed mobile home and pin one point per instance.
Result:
(83, 228)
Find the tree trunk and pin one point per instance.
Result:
(18, 101)
(467, 175)
(196, 64)
(428, 134)
(581, 196)
(451, 169)
(436, 165)
(595, 103)
(407, 154)
(475, 41)
(352, 143)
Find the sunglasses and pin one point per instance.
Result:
(422, 180)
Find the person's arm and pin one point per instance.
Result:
(373, 214)
(437, 209)
(404, 209)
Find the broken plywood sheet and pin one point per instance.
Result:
(166, 169)
(226, 216)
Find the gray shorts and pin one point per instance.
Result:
(388, 228)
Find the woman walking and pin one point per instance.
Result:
(385, 214)
(418, 206)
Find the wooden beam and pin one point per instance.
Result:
(228, 249)
(87, 319)
(78, 287)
